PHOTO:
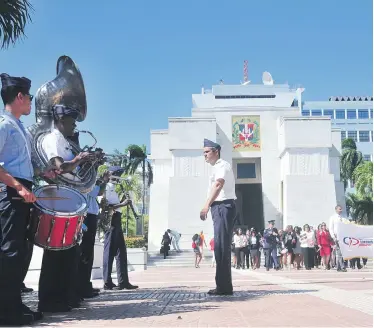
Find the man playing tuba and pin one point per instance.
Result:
(57, 290)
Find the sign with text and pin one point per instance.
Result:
(355, 240)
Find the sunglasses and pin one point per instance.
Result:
(31, 97)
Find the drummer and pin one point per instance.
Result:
(16, 180)
(58, 276)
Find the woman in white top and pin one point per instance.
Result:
(240, 242)
(307, 243)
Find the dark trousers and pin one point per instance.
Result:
(270, 258)
(14, 216)
(223, 214)
(29, 248)
(308, 254)
(58, 277)
(355, 261)
(86, 257)
(115, 246)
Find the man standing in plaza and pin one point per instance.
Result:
(270, 247)
(334, 232)
(221, 202)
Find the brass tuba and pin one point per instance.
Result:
(67, 88)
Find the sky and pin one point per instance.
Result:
(142, 60)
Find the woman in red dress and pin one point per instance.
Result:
(325, 243)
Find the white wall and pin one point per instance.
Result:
(189, 133)
(308, 199)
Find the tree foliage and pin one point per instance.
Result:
(363, 177)
(14, 15)
(360, 208)
(350, 159)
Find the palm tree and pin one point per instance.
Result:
(350, 159)
(360, 208)
(363, 177)
(137, 158)
(14, 15)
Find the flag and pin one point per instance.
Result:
(355, 240)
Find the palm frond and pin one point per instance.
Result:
(14, 15)
(363, 176)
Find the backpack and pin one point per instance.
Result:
(193, 245)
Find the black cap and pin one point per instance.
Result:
(13, 81)
(271, 221)
(61, 110)
(211, 144)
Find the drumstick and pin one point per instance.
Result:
(43, 198)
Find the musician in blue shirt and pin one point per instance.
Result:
(16, 180)
(85, 288)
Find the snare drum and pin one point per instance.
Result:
(57, 224)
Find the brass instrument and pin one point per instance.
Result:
(67, 88)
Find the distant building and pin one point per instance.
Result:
(353, 115)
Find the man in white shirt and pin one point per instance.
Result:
(114, 242)
(175, 237)
(334, 232)
(58, 276)
(221, 201)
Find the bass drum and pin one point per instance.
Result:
(57, 224)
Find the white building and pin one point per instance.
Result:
(353, 115)
(286, 166)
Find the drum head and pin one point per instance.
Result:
(75, 204)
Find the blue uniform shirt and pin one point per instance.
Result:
(93, 206)
(15, 147)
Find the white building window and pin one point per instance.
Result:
(316, 112)
(352, 135)
(364, 136)
(367, 158)
(363, 113)
(305, 113)
(246, 170)
(343, 134)
(329, 112)
(351, 114)
(340, 114)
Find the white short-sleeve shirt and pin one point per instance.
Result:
(54, 145)
(112, 196)
(223, 170)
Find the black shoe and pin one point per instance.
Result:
(214, 292)
(96, 290)
(23, 320)
(38, 315)
(90, 294)
(127, 286)
(110, 286)
(26, 289)
(54, 307)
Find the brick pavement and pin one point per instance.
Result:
(176, 297)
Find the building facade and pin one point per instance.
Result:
(286, 165)
(353, 115)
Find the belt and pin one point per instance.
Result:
(226, 201)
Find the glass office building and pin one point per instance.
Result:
(353, 115)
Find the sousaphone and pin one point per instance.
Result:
(67, 88)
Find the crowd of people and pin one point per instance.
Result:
(292, 248)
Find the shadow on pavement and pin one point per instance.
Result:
(111, 305)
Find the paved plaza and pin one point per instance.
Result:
(176, 297)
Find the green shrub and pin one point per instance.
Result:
(135, 242)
